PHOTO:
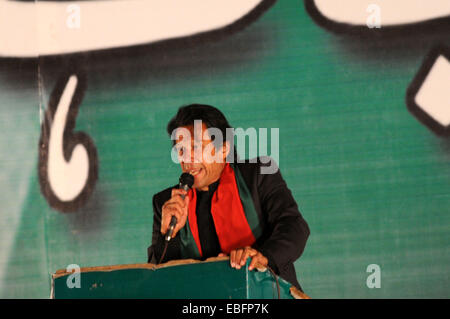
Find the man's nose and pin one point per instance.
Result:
(194, 156)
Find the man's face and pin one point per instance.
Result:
(199, 157)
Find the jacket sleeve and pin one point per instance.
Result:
(155, 250)
(286, 230)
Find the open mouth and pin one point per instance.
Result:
(195, 172)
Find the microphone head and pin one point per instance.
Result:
(187, 179)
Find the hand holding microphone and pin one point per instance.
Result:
(175, 210)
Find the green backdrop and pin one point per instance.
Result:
(372, 182)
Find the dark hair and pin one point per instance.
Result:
(209, 115)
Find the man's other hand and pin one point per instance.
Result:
(238, 258)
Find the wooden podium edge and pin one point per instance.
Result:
(64, 272)
(297, 294)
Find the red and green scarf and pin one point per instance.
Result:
(234, 215)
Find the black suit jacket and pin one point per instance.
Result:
(285, 232)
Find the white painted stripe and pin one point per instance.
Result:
(44, 27)
(67, 178)
(433, 96)
(393, 12)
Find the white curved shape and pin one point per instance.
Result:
(67, 179)
(433, 96)
(393, 12)
(29, 29)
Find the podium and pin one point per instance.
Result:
(178, 279)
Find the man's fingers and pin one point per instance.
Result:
(181, 219)
(255, 260)
(177, 192)
(179, 200)
(170, 209)
(232, 258)
(166, 222)
(237, 259)
(175, 206)
(244, 256)
(248, 252)
(258, 260)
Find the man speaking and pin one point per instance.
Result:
(231, 208)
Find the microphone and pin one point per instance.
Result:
(186, 182)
